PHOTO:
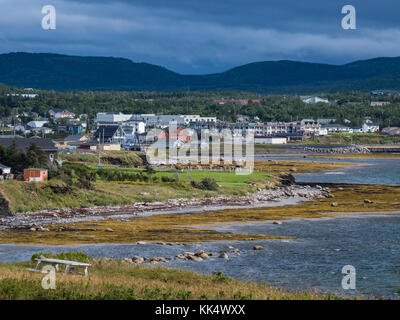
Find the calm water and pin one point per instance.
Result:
(313, 260)
(377, 171)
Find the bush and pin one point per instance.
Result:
(205, 184)
(168, 179)
(70, 255)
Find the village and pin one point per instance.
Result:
(63, 131)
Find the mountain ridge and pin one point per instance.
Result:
(70, 72)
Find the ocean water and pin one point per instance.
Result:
(374, 171)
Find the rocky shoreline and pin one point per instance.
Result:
(350, 149)
(187, 256)
(267, 197)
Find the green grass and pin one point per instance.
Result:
(122, 158)
(222, 178)
(353, 138)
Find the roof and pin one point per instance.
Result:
(23, 143)
(36, 124)
(74, 137)
(89, 143)
(105, 132)
(2, 166)
(334, 126)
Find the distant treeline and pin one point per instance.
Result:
(353, 106)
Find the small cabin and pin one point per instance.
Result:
(35, 175)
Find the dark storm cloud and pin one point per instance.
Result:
(204, 36)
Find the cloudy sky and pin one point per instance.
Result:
(204, 36)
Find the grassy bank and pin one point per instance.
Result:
(353, 138)
(123, 158)
(116, 280)
(23, 197)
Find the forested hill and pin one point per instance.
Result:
(64, 73)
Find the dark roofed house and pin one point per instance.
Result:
(22, 144)
(109, 134)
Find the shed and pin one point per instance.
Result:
(35, 174)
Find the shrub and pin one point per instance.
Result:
(220, 277)
(168, 179)
(205, 184)
(70, 255)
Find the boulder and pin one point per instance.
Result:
(137, 259)
(195, 258)
(109, 230)
(368, 201)
(277, 222)
(180, 256)
(258, 248)
(160, 259)
(223, 255)
(197, 254)
(334, 204)
(204, 255)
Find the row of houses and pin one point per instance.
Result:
(149, 120)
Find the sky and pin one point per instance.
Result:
(204, 36)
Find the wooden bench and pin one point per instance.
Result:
(70, 266)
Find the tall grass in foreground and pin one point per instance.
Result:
(116, 280)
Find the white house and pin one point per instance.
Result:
(59, 113)
(4, 169)
(369, 126)
(265, 140)
(36, 124)
(337, 128)
(23, 95)
(322, 132)
(109, 117)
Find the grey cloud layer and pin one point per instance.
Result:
(203, 36)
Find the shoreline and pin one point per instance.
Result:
(327, 216)
(280, 196)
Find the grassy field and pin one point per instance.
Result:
(117, 280)
(353, 138)
(123, 158)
